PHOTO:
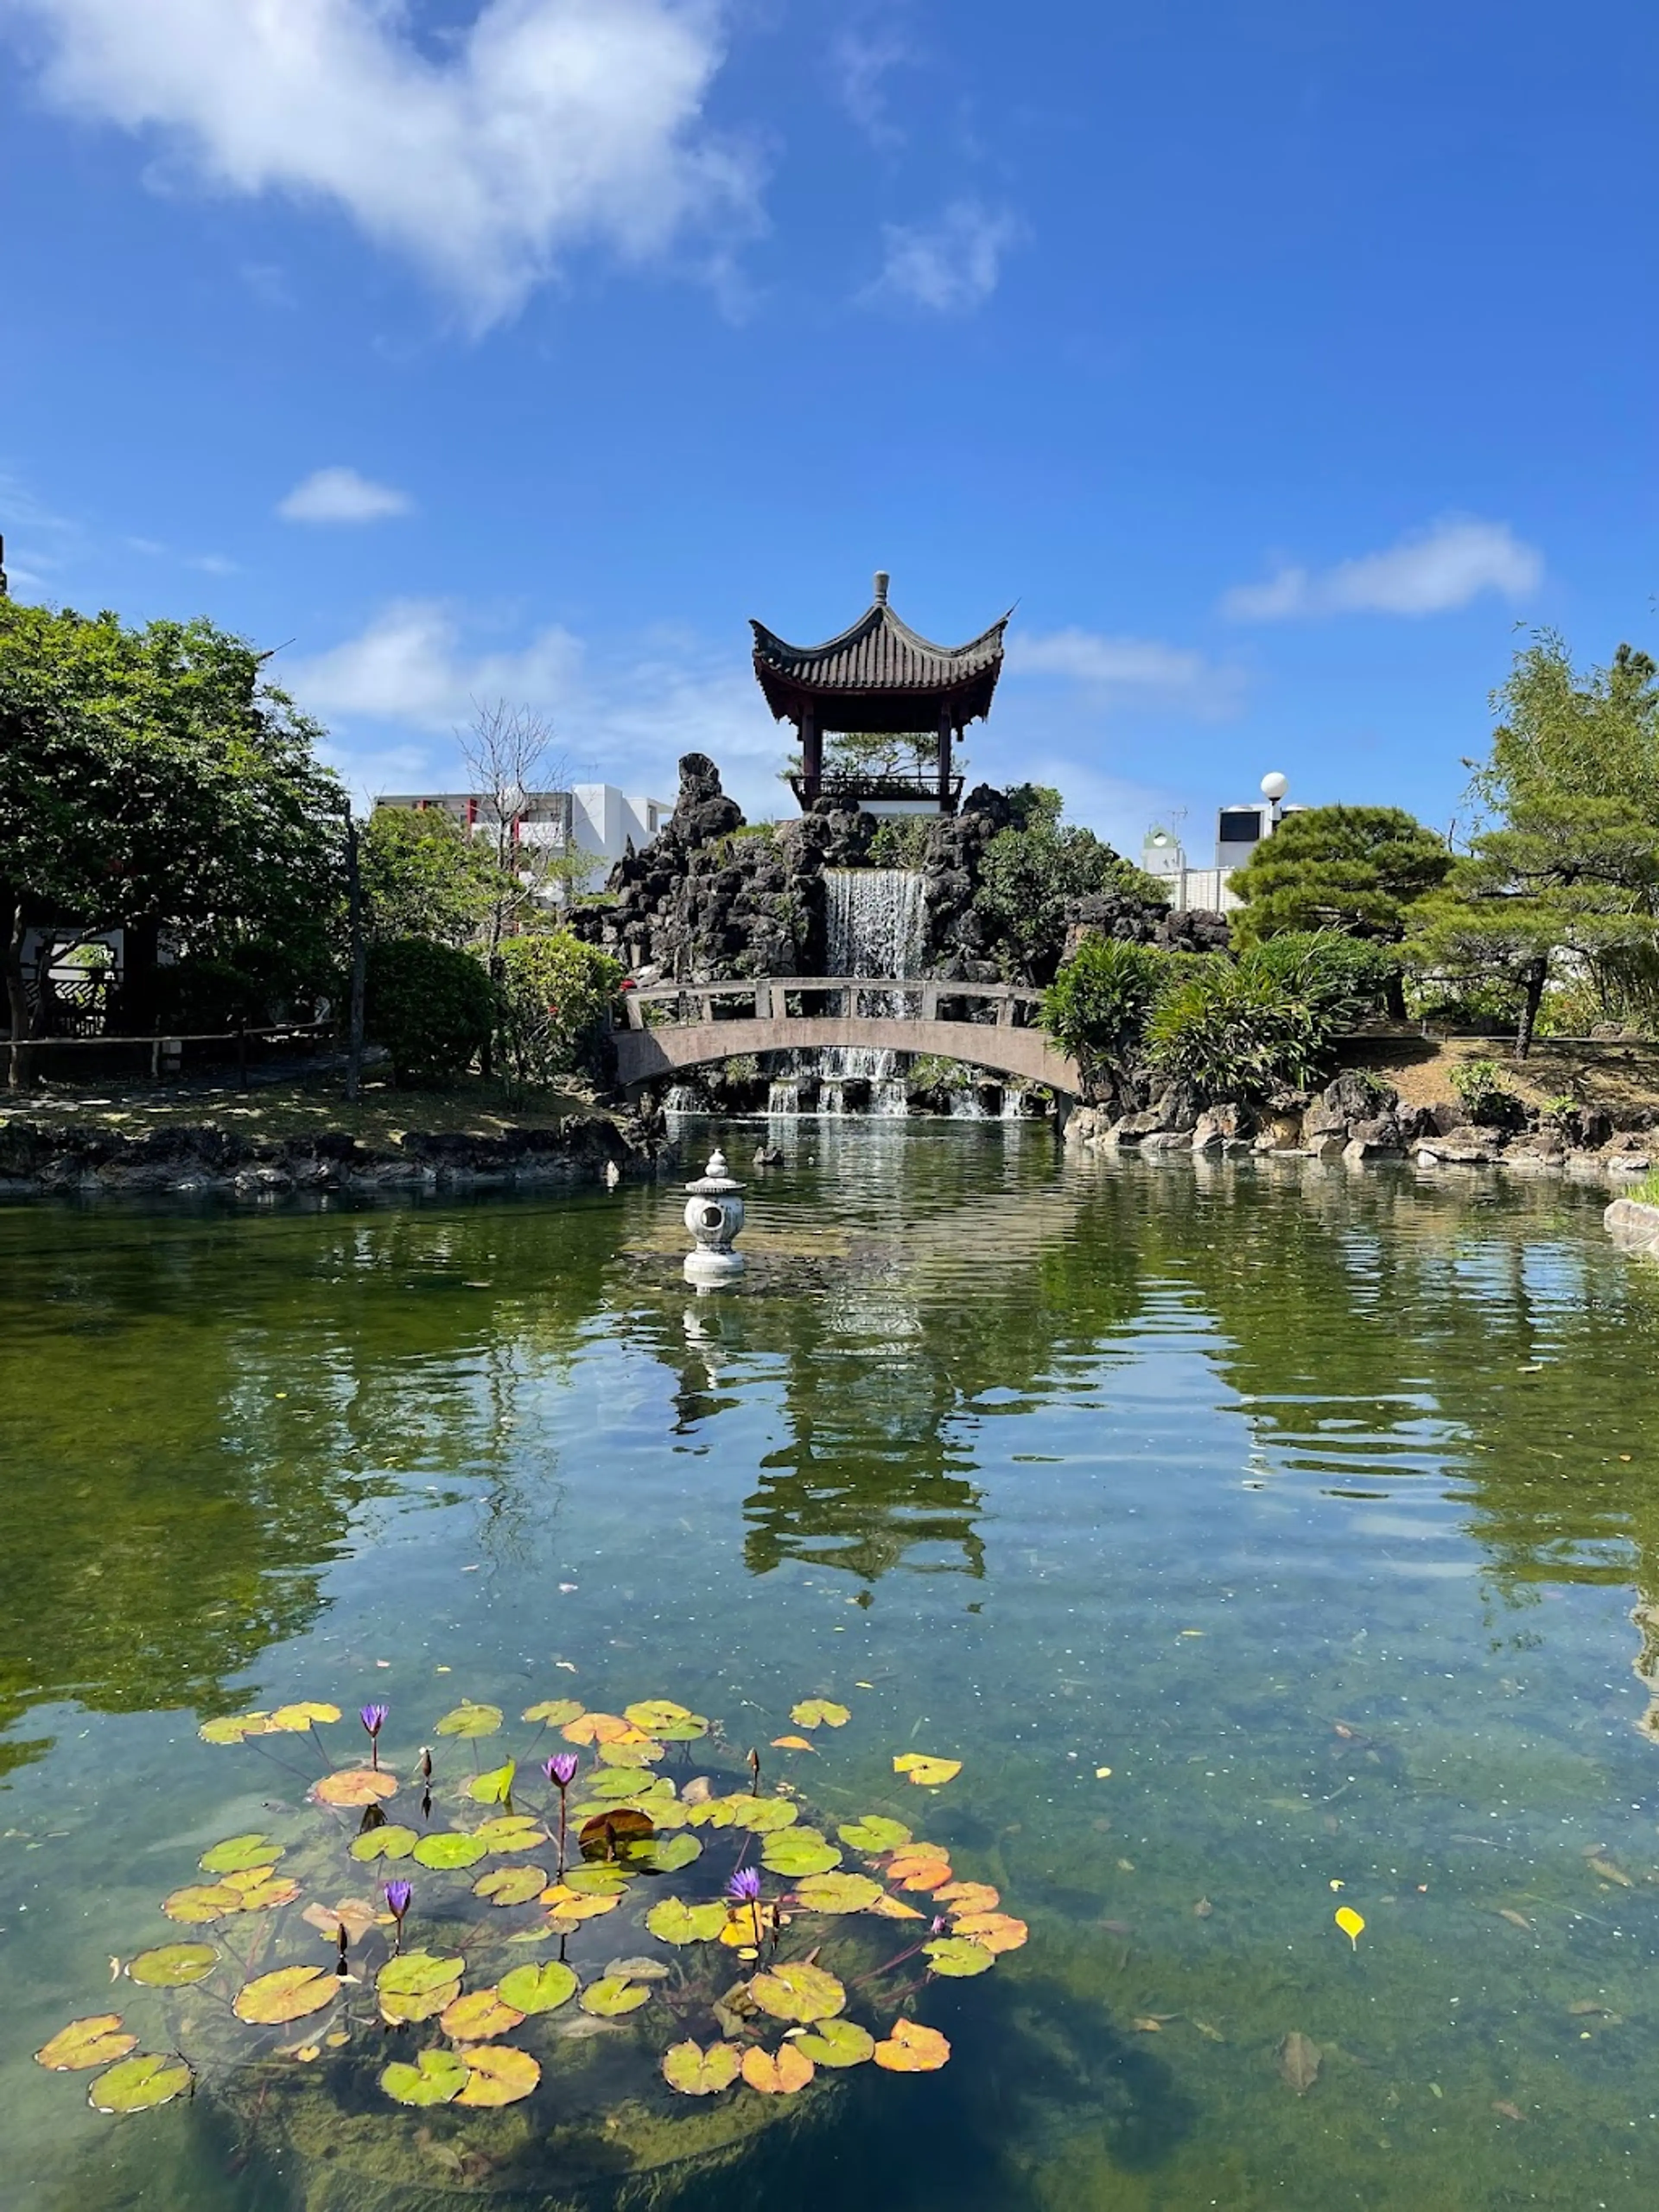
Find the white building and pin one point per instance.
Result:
(594, 819)
(1238, 832)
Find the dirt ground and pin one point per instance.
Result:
(1620, 1077)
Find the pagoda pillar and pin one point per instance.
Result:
(811, 754)
(945, 733)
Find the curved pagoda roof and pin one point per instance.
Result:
(879, 674)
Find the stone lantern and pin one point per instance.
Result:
(713, 1214)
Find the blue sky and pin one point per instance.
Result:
(1279, 359)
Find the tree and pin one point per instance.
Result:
(432, 1008)
(554, 993)
(509, 756)
(1356, 868)
(151, 781)
(424, 875)
(1032, 872)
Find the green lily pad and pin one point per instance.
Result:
(765, 1816)
(695, 2072)
(661, 1716)
(238, 1853)
(435, 2077)
(667, 1855)
(874, 1832)
(515, 1832)
(91, 2042)
(536, 1989)
(289, 1993)
(955, 1955)
(234, 1728)
(686, 1731)
(819, 1712)
(612, 1996)
(172, 1966)
(673, 1921)
(415, 1972)
(838, 1892)
(468, 1720)
(645, 1753)
(495, 1788)
(596, 1880)
(139, 2085)
(794, 1990)
(556, 1713)
(200, 1901)
(607, 1783)
(798, 1851)
(390, 1842)
(446, 1852)
(837, 2042)
(715, 1812)
(511, 1884)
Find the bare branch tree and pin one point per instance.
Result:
(510, 757)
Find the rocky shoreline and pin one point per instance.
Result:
(37, 1159)
(1358, 1118)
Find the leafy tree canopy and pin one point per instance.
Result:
(1031, 872)
(1355, 868)
(426, 875)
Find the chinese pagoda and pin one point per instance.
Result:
(875, 678)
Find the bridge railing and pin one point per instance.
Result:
(767, 998)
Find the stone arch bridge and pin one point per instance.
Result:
(788, 1013)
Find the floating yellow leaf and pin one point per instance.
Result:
(469, 1719)
(139, 2085)
(401, 2006)
(511, 1884)
(794, 1990)
(94, 2041)
(355, 1785)
(792, 1743)
(478, 2016)
(573, 1905)
(654, 1715)
(435, 2077)
(912, 2049)
(891, 1908)
(777, 2074)
(173, 1966)
(414, 1972)
(695, 2072)
(497, 2073)
(295, 1720)
(819, 1712)
(837, 2042)
(929, 1773)
(1351, 1923)
(554, 1711)
(291, 1993)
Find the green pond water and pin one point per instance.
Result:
(1322, 1509)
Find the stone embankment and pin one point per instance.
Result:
(37, 1158)
(1359, 1118)
(1634, 1225)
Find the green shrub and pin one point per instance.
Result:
(431, 1006)
(1482, 1094)
(1231, 1031)
(1098, 1005)
(555, 993)
(1342, 979)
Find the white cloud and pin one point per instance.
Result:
(952, 266)
(342, 495)
(861, 60)
(546, 124)
(1123, 671)
(1426, 573)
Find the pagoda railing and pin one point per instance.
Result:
(853, 790)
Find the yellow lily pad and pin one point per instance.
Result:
(234, 1728)
(819, 1712)
(172, 1966)
(238, 1853)
(673, 1921)
(777, 2073)
(94, 2041)
(295, 1720)
(471, 1720)
(912, 2049)
(511, 1884)
(996, 1931)
(289, 1993)
(957, 1956)
(434, 2077)
(355, 1785)
(794, 1990)
(139, 2085)
(596, 1727)
(838, 1892)
(837, 2042)
(695, 2072)
(800, 1851)
(555, 1712)
(495, 1788)
(509, 1832)
(497, 2073)
(200, 1901)
(416, 1971)
(613, 1994)
(929, 1773)
(478, 2016)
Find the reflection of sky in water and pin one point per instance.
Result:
(1296, 1499)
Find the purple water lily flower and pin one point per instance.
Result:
(745, 1887)
(374, 1719)
(398, 1895)
(561, 1768)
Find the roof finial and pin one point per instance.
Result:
(882, 582)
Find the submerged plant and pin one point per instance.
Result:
(450, 1997)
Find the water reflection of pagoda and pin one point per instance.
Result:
(880, 677)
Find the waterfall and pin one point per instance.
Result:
(874, 919)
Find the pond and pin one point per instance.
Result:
(1264, 1541)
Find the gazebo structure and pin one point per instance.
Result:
(876, 677)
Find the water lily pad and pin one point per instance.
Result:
(555, 1712)
(892, 1908)
(291, 1993)
(497, 2073)
(995, 1931)
(263, 1896)
(511, 1831)
(511, 1884)
(596, 1727)
(198, 1902)
(661, 1716)
(607, 1783)
(695, 2072)
(354, 1914)
(538, 1989)
(295, 1720)
(413, 1972)
(234, 1728)
(390, 1842)
(612, 1996)
(603, 1837)
(837, 2042)
(633, 1750)
(819, 1712)
(930, 1773)
(919, 1867)
(495, 1788)
(673, 1921)
(957, 1956)
(399, 2008)
(94, 2041)
(764, 1816)
(478, 2016)
(435, 2077)
(714, 1812)
(172, 1966)
(639, 1969)
(838, 1892)
(794, 1990)
(875, 1833)
(238, 1853)
(798, 1851)
(139, 2085)
(668, 1853)
(777, 2073)
(471, 1720)
(355, 1785)
(968, 1897)
(449, 1851)
(912, 2049)
(571, 1906)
